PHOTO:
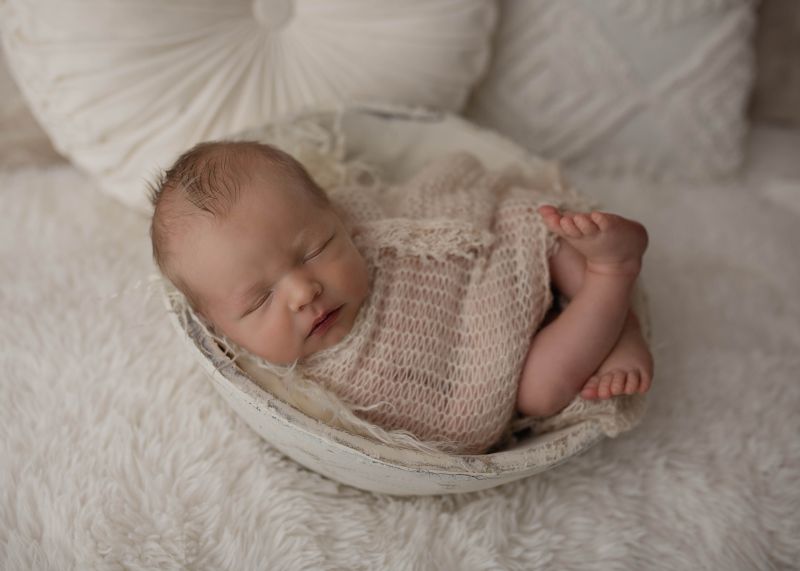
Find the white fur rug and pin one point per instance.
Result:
(118, 454)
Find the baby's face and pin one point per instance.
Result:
(268, 270)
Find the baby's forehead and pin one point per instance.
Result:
(261, 193)
(291, 215)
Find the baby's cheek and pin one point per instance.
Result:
(246, 334)
(357, 278)
(277, 347)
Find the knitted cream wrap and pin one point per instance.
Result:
(459, 284)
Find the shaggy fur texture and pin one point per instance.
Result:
(118, 454)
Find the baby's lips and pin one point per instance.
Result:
(322, 318)
(319, 319)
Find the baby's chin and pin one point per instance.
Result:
(274, 360)
(284, 359)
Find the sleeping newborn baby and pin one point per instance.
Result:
(422, 304)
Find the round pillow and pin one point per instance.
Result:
(392, 143)
(123, 87)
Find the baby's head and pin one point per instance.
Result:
(257, 249)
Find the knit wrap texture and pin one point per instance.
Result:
(459, 283)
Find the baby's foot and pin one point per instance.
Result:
(628, 369)
(612, 244)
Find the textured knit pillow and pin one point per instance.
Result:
(123, 87)
(655, 87)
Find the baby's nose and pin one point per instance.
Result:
(303, 292)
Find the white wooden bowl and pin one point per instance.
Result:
(401, 141)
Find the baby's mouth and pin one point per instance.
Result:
(325, 322)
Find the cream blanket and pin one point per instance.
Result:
(458, 262)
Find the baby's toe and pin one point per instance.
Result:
(569, 228)
(548, 210)
(602, 219)
(589, 390)
(644, 386)
(618, 382)
(633, 382)
(551, 218)
(586, 225)
(604, 388)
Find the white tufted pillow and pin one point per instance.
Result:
(22, 141)
(656, 87)
(123, 87)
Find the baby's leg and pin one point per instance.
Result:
(565, 353)
(628, 368)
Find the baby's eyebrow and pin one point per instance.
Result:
(302, 238)
(308, 236)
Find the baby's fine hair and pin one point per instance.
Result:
(208, 178)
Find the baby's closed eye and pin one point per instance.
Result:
(261, 301)
(319, 250)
